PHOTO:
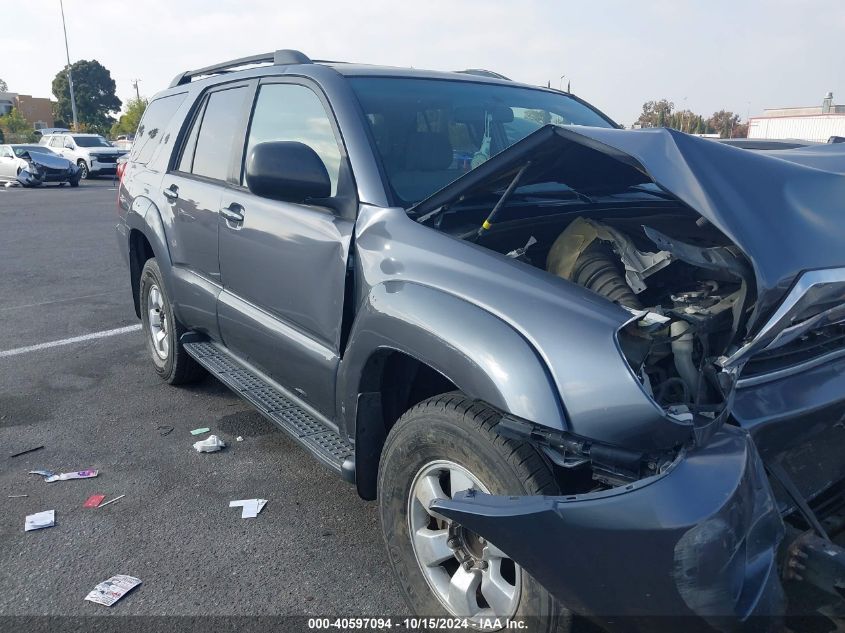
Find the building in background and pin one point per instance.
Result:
(814, 123)
(36, 110)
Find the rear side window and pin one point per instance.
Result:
(218, 125)
(291, 112)
(57, 141)
(151, 130)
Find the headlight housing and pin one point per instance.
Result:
(816, 300)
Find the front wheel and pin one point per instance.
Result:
(84, 174)
(442, 446)
(162, 331)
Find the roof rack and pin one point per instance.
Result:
(483, 73)
(285, 57)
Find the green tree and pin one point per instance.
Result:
(94, 90)
(725, 123)
(129, 120)
(4, 87)
(16, 129)
(656, 113)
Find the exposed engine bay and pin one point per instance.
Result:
(690, 295)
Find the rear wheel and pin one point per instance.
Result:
(84, 174)
(162, 331)
(440, 447)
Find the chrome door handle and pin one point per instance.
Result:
(171, 193)
(233, 213)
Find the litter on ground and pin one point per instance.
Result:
(112, 500)
(209, 445)
(17, 496)
(40, 520)
(110, 591)
(204, 429)
(51, 477)
(28, 450)
(93, 501)
(250, 507)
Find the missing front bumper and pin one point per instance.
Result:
(698, 541)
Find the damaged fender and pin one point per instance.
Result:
(479, 353)
(700, 539)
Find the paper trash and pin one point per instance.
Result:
(40, 520)
(110, 591)
(210, 444)
(79, 474)
(50, 477)
(251, 507)
(204, 429)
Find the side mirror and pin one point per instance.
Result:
(69, 145)
(287, 170)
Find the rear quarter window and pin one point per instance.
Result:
(151, 131)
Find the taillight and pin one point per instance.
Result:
(121, 168)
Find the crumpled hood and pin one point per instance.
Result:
(785, 210)
(49, 160)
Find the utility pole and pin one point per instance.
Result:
(137, 92)
(69, 76)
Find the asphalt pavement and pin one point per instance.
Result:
(315, 549)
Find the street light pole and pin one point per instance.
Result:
(69, 76)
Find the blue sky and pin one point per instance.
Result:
(742, 55)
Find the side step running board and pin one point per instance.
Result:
(317, 438)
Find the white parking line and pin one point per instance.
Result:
(69, 341)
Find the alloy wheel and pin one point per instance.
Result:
(158, 322)
(471, 577)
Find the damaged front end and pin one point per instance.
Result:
(730, 267)
(698, 539)
(30, 176)
(681, 324)
(41, 168)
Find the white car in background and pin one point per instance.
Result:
(124, 141)
(92, 153)
(33, 165)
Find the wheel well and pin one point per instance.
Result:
(139, 252)
(392, 383)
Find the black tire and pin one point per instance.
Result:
(84, 173)
(453, 427)
(74, 182)
(177, 367)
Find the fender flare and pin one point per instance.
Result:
(478, 352)
(144, 216)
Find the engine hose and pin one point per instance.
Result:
(597, 268)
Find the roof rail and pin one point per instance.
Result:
(483, 73)
(285, 57)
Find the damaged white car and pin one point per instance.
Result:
(33, 165)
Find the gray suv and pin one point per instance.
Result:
(582, 369)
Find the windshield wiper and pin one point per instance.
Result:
(563, 194)
(657, 193)
(432, 214)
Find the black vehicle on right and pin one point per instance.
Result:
(580, 368)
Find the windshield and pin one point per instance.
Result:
(20, 150)
(91, 141)
(431, 131)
